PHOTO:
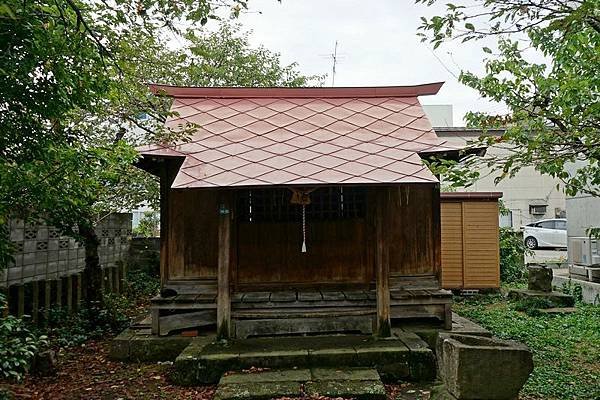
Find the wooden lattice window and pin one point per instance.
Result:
(328, 203)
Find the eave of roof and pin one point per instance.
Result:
(300, 92)
(301, 136)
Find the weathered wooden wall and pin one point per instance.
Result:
(270, 253)
(339, 251)
(470, 245)
(192, 234)
(414, 230)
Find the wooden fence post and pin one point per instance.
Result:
(70, 293)
(20, 301)
(123, 275)
(5, 310)
(79, 285)
(47, 299)
(117, 279)
(109, 280)
(59, 290)
(35, 301)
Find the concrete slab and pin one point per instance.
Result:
(346, 374)
(361, 390)
(258, 391)
(406, 358)
(343, 356)
(131, 345)
(558, 310)
(275, 359)
(288, 375)
(119, 347)
(429, 331)
(557, 299)
(357, 383)
(590, 290)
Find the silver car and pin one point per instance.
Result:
(546, 233)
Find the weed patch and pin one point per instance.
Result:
(566, 348)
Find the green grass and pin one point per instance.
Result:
(566, 348)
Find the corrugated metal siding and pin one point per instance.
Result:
(470, 247)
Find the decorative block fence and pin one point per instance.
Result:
(47, 265)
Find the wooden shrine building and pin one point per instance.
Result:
(298, 210)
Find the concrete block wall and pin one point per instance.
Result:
(43, 253)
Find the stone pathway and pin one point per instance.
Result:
(357, 383)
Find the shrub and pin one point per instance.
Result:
(512, 256)
(573, 289)
(18, 346)
(141, 283)
(66, 329)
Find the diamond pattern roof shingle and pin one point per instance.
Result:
(257, 137)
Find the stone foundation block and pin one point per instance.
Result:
(539, 278)
(556, 299)
(475, 367)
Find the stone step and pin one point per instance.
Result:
(402, 357)
(356, 383)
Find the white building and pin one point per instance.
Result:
(530, 196)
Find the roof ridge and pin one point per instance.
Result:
(299, 92)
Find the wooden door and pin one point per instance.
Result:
(269, 241)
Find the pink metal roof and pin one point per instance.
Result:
(303, 136)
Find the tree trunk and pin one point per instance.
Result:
(92, 272)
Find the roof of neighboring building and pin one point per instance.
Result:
(301, 136)
(464, 131)
(470, 195)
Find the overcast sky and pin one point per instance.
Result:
(377, 44)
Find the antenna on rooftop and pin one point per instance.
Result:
(335, 58)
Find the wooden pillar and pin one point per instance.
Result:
(382, 266)
(436, 231)
(70, 293)
(35, 301)
(117, 278)
(20, 301)
(223, 272)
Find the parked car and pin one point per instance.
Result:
(546, 233)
